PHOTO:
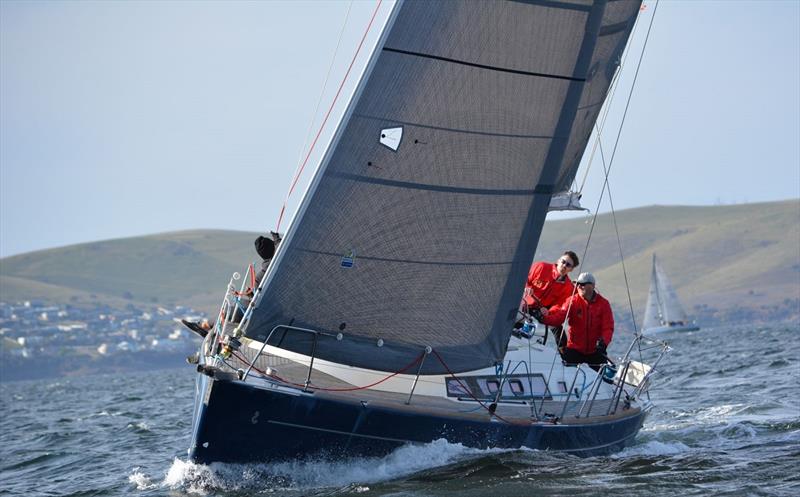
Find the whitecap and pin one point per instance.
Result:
(140, 480)
(142, 426)
(716, 414)
(653, 448)
(191, 477)
(403, 461)
(356, 473)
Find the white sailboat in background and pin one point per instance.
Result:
(664, 311)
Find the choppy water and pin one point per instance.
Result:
(726, 422)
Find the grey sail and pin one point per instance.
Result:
(663, 307)
(424, 215)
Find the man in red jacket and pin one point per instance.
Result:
(591, 324)
(549, 284)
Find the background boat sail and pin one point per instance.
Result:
(664, 311)
(408, 254)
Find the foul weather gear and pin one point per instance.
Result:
(545, 287)
(589, 321)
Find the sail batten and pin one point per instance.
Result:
(538, 190)
(484, 66)
(428, 242)
(412, 261)
(455, 130)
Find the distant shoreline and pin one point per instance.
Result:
(37, 368)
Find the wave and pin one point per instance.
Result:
(352, 474)
(140, 427)
(653, 448)
(31, 461)
(140, 480)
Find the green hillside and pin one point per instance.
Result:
(722, 260)
(187, 267)
(726, 262)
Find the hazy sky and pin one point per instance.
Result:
(129, 118)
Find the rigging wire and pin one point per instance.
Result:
(607, 171)
(619, 131)
(612, 91)
(322, 93)
(619, 243)
(327, 115)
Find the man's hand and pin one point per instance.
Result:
(601, 347)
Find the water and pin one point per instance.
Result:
(726, 422)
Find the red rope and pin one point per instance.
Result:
(327, 115)
(352, 389)
(349, 389)
(469, 391)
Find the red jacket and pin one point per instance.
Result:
(588, 321)
(543, 284)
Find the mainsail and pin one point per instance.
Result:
(663, 306)
(423, 217)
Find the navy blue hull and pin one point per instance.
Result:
(236, 422)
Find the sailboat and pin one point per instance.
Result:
(664, 311)
(387, 314)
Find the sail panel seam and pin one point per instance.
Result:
(538, 190)
(453, 130)
(484, 66)
(411, 261)
(615, 28)
(553, 4)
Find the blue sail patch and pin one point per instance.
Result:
(349, 259)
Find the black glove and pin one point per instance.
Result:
(600, 348)
(537, 314)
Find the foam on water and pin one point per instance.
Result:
(140, 426)
(706, 417)
(314, 474)
(652, 448)
(140, 480)
(718, 414)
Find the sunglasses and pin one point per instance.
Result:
(584, 284)
(566, 263)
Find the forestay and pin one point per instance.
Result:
(424, 215)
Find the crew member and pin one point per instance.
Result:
(265, 248)
(591, 324)
(548, 284)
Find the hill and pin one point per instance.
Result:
(727, 263)
(187, 267)
(735, 262)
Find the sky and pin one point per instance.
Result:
(130, 118)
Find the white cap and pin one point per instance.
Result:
(585, 278)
